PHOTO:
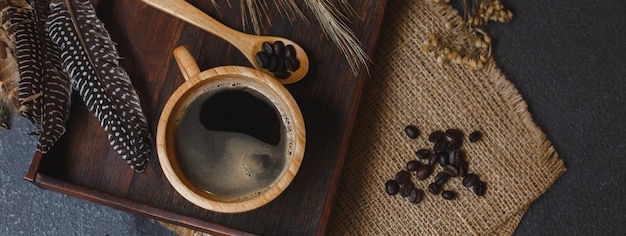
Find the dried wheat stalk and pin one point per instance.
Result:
(333, 16)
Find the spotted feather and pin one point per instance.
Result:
(27, 47)
(57, 87)
(44, 90)
(90, 58)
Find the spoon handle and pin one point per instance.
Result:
(185, 11)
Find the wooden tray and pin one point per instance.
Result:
(85, 166)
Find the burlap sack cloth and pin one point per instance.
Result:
(514, 157)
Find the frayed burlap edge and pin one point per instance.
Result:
(347, 214)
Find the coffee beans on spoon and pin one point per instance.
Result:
(278, 58)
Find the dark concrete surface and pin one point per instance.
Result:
(29, 210)
(565, 57)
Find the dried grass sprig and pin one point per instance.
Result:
(254, 12)
(475, 52)
(330, 18)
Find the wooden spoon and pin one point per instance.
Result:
(248, 44)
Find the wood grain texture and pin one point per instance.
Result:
(83, 165)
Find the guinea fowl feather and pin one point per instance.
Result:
(57, 86)
(44, 91)
(90, 58)
(27, 54)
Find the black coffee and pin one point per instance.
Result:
(231, 143)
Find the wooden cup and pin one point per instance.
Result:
(214, 79)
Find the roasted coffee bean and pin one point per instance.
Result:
(463, 168)
(416, 196)
(454, 133)
(451, 170)
(434, 188)
(440, 146)
(443, 158)
(290, 51)
(423, 153)
(282, 74)
(406, 188)
(448, 194)
(453, 157)
(441, 178)
(262, 59)
(461, 155)
(433, 160)
(436, 136)
(413, 165)
(279, 48)
(402, 177)
(267, 47)
(292, 64)
(480, 188)
(475, 136)
(392, 187)
(411, 131)
(424, 171)
(469, 180)
(273, 64)
(454, 144)
(280, 60)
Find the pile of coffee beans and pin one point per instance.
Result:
(447, 153)
(278, 58)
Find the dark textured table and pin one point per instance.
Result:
(565, 58)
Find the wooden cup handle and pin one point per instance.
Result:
(186, 63)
